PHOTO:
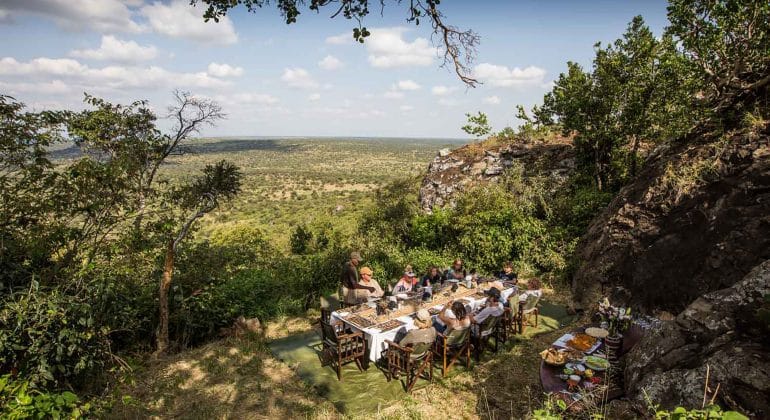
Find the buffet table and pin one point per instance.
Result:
(549, 375)
(378, 328)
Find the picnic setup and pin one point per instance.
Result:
(375, 346)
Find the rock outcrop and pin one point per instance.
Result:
(719, 330)
(479, 163)
(696, 220)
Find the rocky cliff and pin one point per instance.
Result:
(696, 220)
(479, 163)
(719, 330)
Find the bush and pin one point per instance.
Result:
(20, 400)
(51, 338)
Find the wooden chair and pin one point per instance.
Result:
(486, 331)
(450, 348)
(409, 360)
(512, 316)
(528, 309)
(328, 305)
(340, 348)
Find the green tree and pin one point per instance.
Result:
(729, 43)
(218, 182)
(300, 240)
(478, 125)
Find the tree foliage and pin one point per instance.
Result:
(478, 125)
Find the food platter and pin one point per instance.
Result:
(581, 342)
(597, 363)
(553, 357)
(359, 321)
(597, 332)
(389, 325)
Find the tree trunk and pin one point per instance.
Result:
(634, 152)
(165, 285)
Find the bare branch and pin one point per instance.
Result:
(459, 46)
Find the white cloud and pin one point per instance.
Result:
(224, 70)
(406, 108)
(330, 62)
(54, 87)
(75, 15)
(447, 102)
(298, 78)
(314, 97)
(387, 49)
(341, 39)
(179, 19)
(114, 49)
(5, 16)
(492, 100)
(504, 77)
(442, 90)
(254, 98)
(82, 76)
(393, 94)
(406, 85)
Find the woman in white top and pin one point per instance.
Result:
(455, 318)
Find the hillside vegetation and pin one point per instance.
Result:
(127, 248)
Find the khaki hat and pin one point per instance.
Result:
(366, 270)
(355, 256)
(423, 319)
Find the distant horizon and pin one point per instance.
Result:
(281, 137)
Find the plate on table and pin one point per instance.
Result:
(597, 363)
(597, 332)
(402, 296)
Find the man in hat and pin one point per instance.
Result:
(367, 281)
(424, 333)
(350, 282)
(407, 282)
(492, 307)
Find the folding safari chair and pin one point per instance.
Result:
(411, 360)
(451, 347)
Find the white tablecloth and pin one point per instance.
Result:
(376, 339)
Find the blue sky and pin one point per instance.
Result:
(306, 79)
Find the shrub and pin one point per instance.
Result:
(19, 399)
(51, 338)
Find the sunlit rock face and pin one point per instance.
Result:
(453, 171)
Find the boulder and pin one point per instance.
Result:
(695, 220)
(718, 333)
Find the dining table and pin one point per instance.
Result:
(377, 328)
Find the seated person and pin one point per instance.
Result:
(492, 307)
(533, 289)
(424, 333)
(372, 287)
(455, 318)
(507, 274)
(432, 278)
(407, 281)
(456, 272)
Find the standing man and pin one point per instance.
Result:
(349, 281)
